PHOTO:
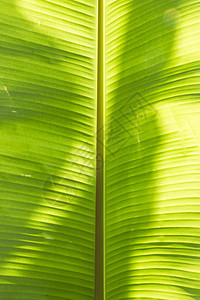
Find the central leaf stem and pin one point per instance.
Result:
(99, 242)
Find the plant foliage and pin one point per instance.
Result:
(48, 112)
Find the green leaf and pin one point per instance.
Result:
(47, 149)
(152, 150)
(65, 66)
